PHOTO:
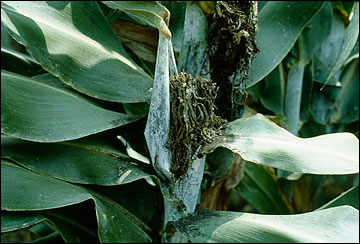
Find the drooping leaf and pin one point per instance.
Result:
(80, 161)
(260, 188)
(279, 24)
(73, 41)
(339, 224)
(40, 192)
(150, 11)
(36, 111)
(11, 221)
(351, 35)
(261, 141)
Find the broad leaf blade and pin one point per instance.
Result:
(40, 192)
(34, 111)
(339, 224)
(34, 191)
(87, 161)
(77, 161)
(280, 24)
(73, 41)
(261, 141)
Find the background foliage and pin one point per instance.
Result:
(75, 85)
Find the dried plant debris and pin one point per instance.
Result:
(232, 45)
(192, 119)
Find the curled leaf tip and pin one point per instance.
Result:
(165, 30)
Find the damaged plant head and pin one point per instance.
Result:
(232, 45)
(192, 119)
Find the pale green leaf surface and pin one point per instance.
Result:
(279, 24)
(348, 43)
(150, 11)
(35, 111)
(339, 224)
(259, 140)
(73, 41)
(77, 161)
(40, 192)
(11, 221)
(260, 188)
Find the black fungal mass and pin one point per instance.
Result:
(232, 45)
(192, 119)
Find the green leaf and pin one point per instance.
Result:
(325, 58)
(348, 43)
(80, 161)
(36, 111)
(192, 57)
(11, 221)
(177, 10)
(293, 96)
(150, 11)
(350, 197)
(347, 102)
(35, 191)
(280, 24)
(40, 192)
(73, 41)
(261, 141)
(76, 223)
(339, 224)
(260, 188)
(317, 31)
(18, 62)
(273, 94)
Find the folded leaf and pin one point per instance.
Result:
(259, 140)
